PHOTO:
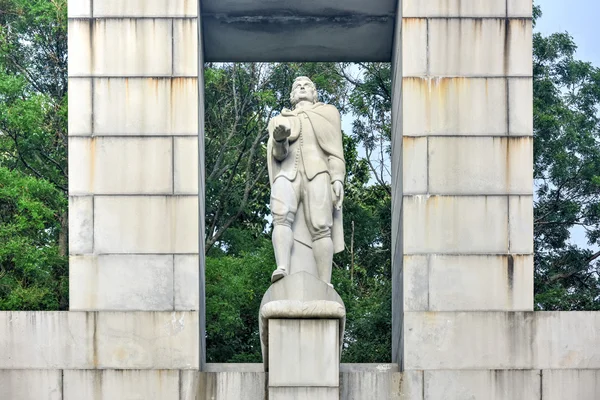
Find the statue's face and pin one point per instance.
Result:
(303, 90)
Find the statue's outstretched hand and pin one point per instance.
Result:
(282, 131)
(338, 192)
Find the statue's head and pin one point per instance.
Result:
(303, 89)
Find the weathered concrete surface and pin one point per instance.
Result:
(483, 385)
(143, 8)
(81, 224)
(104, 340)
(104, 282)
(306, 7)
(501, 340)
(31, 385)
(461, 283)
(121, 384)
(145, 224)
(571, 384)
(453, 8)
(304, 353)
(109, 165)
(145, 106)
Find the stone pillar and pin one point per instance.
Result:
(463, 143)
(133, 157)
(302, 326)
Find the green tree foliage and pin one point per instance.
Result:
(33, 275)
(567, 174)
(33, 155)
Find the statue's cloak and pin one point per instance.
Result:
(329, 136)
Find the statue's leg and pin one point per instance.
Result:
(284, 205)
(318, 210)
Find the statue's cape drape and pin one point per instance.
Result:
(327, 118)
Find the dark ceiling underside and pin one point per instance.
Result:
(301, 30)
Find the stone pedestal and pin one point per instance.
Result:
(302, 327)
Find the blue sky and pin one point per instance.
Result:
(581, 18)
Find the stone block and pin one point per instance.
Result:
(145, 106)
(31, 385)
(99, 340)
(372, 384)
(454, 106)
(482, 165)
(121, 283)
(187, 282)
(121, 384)
(186, 165)
(414, 47)
(414, 165)
(303, 393)
(185, 47)
(80, 107)
(304, 353)
(411, 385)
(520, 224)
(111, 165)
(46, 340)
(146, 224)
(145, 8)
(480, 47)
(81, 225)
(147, 340)
(520, 47)
(80, 51)
(125, 47)
(455, 224)
(235, 384)
(483, 282)
(520, 106)
(483, 385)
(79, 9)
(577, 384)
(520, 8)
(501, 340)
(454, 8)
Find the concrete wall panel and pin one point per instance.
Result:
(105, 283)
(571, 384)
(482, 165)
(185, 41)
(186, 165)
(149, 106)
(453, 8)
(480, 47)
(146, 224)
(502, 340)
(112, 165)
(455, 224)
(145, 8)
(520, 100)
(454, 106)
(520, 224)
(80, 107)
(520, 8)
(31, 385)
(81, 224)
(414, 165)
(186, 281)
(122, 384)
(414, 47)
(483, 385)
(79, 8)
(485, 282)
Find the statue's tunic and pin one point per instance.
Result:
(303, 168)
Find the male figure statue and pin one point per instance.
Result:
(306, 169)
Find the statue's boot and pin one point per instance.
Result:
(278, 274)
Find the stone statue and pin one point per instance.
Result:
(306, 170)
